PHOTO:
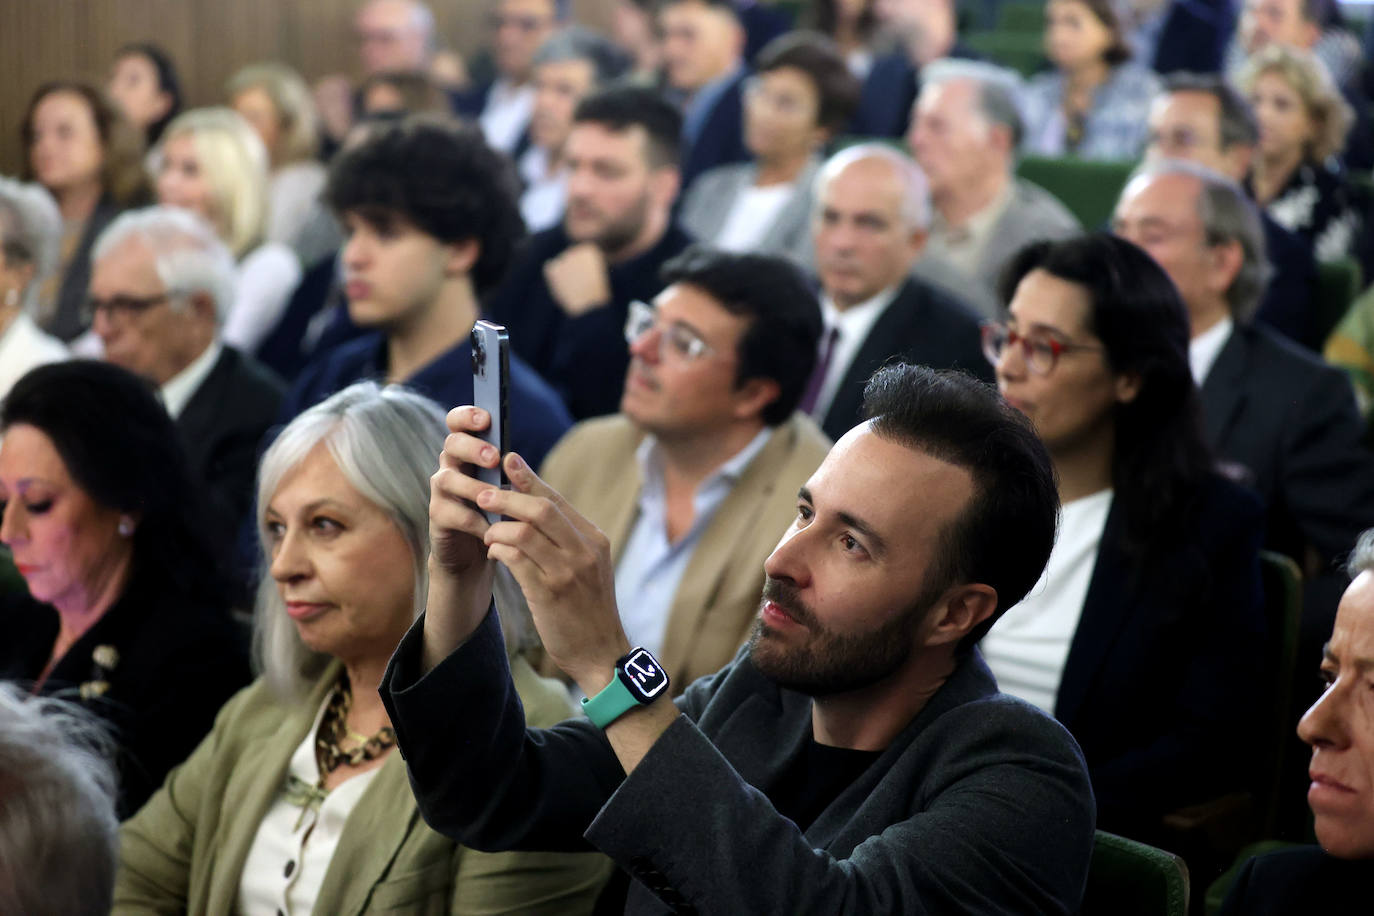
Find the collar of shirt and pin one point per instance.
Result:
(700, 103)
(180, 388)
(960, 245)
(710, 492)
(1204, 349)
(506, 114)
(854, 325)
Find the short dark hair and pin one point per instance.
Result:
(440, 177)
(120, 446)
(1159, 455)
(820, 59)
(618, 108)
(1004, 536)
(785, 318)
(167, 81)
(1238, 124)
(1118, 51)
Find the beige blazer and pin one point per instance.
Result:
(184, 851)
(594, 467)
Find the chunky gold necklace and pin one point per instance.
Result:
(329, 753)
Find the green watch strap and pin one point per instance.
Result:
(610, 703)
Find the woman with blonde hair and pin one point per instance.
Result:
(275, 100)
(1297, 176)
(298, 801)
(212, 163)
(82, 149)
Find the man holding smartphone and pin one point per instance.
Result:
(430, 218)
(856, 757)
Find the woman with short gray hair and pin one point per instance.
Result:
(30, 232)
(297, 801)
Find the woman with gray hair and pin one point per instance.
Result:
(297, 801)
(30, 232)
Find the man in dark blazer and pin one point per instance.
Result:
(567, 294)
(703, 48)
(870, 226)
(502, 105)
(162, 281)
(927, 30)
(854, 757)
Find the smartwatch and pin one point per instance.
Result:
(639, 680)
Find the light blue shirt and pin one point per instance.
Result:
(650, 568)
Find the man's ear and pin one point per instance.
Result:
(462, 257)
(958, 612)
(754, 395)
(203, 307)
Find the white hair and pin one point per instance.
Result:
(386, 441)
(999, 90)
(187, 253)
(1362, 557)
(31, 232)
(915, 203)
(59, 837)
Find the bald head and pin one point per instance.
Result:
(394, 35)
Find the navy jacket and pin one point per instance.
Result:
(1195, 35)
(922, 325)
(537, 417)
(1292, 882)
(889, 91)
(721, 139)
(1160, 683)
(1287, 302)
(583, 358)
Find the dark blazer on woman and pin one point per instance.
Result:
(175, 661)
(1164, 678)
(64, 320)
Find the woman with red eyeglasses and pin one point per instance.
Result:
(1144, 637)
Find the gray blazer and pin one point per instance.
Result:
(707, 204)
(980, 805)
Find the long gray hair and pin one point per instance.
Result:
(386, 441)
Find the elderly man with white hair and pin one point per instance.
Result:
(161, 283)
(965, 131)
(870, 224)
(30, 233)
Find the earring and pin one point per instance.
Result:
(126, 526)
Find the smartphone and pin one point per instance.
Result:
(491, 392)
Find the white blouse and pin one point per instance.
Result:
(267, 277)
(290, 855)
(1028, 646)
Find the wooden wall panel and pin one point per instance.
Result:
(209, 39)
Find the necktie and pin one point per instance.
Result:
(817, 380)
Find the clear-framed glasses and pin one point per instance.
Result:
(675, 339)
(1040, 350)
(782, 102)
(119, 308)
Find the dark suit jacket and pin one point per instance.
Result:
(721, 138)
(584, 357)
(1194, 36)
(221, 428)
(177, 661)
(1296, 882)
(889, 91)
(979, 805)
(1160, 683)
(923, 325)
(1291, 422)
(1287, 303)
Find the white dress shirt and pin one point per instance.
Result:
(545, 194)
(507, 114)
(751, 215)
(180, 388)
(1204, 349)
(854, 325)
(24, 346)
(267, 277)
(1028, 646)
(286, 864)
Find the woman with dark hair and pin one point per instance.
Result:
(851, 24)
(1145, 634)
(799, 98)
(80, 147)
(144, 83)
(126, 608)
(1096, 102)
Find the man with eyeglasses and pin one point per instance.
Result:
(703, 60)
(503, 104)
(870, 222)
(567, 294)
(1282, 420)
(1201, 118)
(694, 480)
(161, 282)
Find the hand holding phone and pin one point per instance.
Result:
(491, 392)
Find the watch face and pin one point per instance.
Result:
(644, 675)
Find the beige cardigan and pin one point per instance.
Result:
(184, 851)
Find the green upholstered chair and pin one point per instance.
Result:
(1127, 878)
(1338, 285)
(1019, 16)
(1088, 189)
(1019, 51)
